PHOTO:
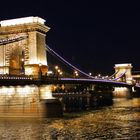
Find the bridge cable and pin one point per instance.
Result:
(69, 64)
(121, 75)
(113, 75)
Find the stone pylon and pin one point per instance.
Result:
(28, 54)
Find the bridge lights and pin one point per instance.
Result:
(96, 77)
(106, 76)
(76, 74)
(61, 73)
(90, 73)
(58, 71)
(56, 67)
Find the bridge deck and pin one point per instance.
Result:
(28, 80)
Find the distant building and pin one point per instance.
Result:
(136, 76)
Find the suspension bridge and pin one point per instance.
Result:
(30, 79)
(24, 79)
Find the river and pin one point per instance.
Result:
(119, 121)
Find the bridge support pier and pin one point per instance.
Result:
(52, 108)
(122, 92)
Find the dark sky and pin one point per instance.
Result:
(90, 36)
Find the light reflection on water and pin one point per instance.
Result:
(119, 121)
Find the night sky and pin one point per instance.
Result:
(90, 36)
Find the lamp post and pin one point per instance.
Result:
(76, 74)
(58, 72)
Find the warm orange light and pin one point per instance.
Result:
(56, 67)
(61, 73)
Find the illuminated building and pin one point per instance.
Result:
(26, 56)
(23, 53)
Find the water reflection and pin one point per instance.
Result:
(119, 121)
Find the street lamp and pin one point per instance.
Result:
(56, 67)
(61, 73)
(76, 74)
(58, 70)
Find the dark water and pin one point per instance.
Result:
(119, 121)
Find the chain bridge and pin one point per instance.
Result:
(24, 74)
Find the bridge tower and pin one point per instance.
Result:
(125, 69)
(26, 56)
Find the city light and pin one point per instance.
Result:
(50, 72)
(56, 67)
(24, 20)
(61, 73)
(46, 91)
(90, 73)
(76, 74)
(58, 70)
(22, 59)
(40, 64)
(29, 71)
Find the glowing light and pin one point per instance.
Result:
(29, 71)
(56, 67)
(90, 73)
(49, 72)
(54, 88)
(4, 90)
(23, 91)
(123, 65)
(58, 70)
(24, 20)
(61, 73)
(121, 91)
(40, 64)
(46, 92)
(76, 72)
